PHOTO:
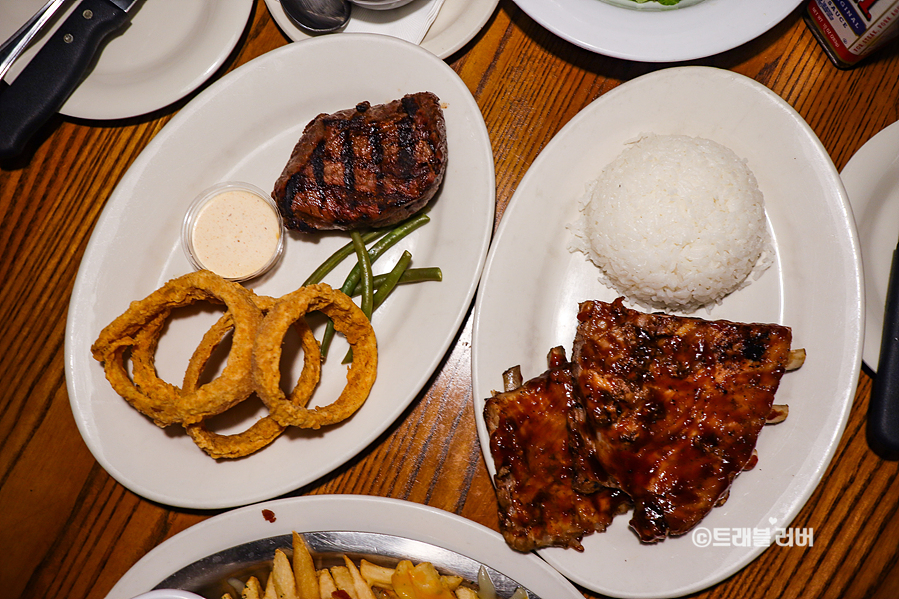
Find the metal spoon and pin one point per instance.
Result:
(318, 16)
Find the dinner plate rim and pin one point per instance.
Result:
(852, 354)
(664, 36)
(79, 386)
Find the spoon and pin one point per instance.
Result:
(318, 16)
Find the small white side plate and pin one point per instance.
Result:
(170, 48)
(456, 24)
(871, 178)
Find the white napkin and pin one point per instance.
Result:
(410, 22)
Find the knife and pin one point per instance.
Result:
(883, 410)
(209, 576)
(56, 70)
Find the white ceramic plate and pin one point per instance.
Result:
(170, 48)
(456, 24)
(871, 178)
(531, 287)
(651, 32)
(343, 512)
(243, 128)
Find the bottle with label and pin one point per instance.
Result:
(849, 30)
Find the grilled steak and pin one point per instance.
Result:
(368, 166)
(528, 426)
(676, 405)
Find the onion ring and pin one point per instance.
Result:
(265, 430)
(349, 320)
(143, 365)
(155, 398)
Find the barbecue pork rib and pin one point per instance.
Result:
(528, 426)
(364, 167)
(675, 405)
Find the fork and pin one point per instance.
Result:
(15, 45)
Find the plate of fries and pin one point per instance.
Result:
(397, 549)
(363, 565)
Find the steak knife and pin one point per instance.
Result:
(209, 576)
(56, 70)
(883, 411)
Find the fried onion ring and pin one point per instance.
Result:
(141, 324)
(265, 430)
(349, 320)
(143, 355)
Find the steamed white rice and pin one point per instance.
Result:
(675, 223)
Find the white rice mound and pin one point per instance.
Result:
(675, 223)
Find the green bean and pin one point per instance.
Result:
(377, 249)
(365, 264)
(384, 290)
(337, 257)
(392, 278)
(410, 275)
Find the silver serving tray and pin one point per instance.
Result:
(209, 576)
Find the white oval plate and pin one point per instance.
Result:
(531, 287)
(652, 33)
(456, 24)
(343, 512)
(170, 48)
(243, 128)
(871, 178)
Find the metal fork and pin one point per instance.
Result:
(15, 45)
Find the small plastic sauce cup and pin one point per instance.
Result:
(235, 230)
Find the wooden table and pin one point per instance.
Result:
(67, 529)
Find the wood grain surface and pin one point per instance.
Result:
(68, 530)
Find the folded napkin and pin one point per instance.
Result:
(410, 22)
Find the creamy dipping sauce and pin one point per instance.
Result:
(235, 234)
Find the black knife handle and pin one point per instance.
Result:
(883, 411)
(49, 79)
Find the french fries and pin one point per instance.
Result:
(252, 589)
(304, 571)
(282, 573)
(363, 589)
(344, 581)
(327, 586)
(270, 589)
(377, 576)
(296, 577)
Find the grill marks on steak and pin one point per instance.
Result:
(369, 166)
(539, 506)
(655, 410)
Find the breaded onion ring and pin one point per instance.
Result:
(265, 430)
(143, 358)
(349, 320)
(157, 399)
